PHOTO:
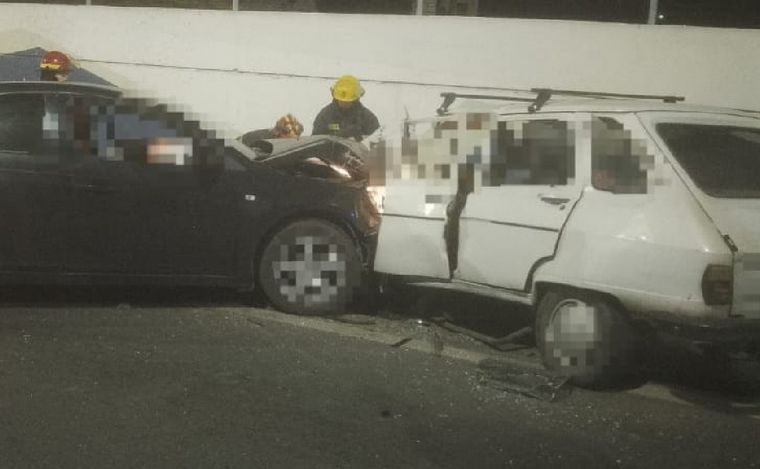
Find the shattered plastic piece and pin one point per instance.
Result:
(361, 319)
(532, 383)
(503, 344)
(436, 342)
(401, 342)
(255, 322)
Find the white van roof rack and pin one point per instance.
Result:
(544, 94)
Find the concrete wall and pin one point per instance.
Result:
(244, 69)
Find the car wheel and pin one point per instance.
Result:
(585, 337)
(310, 267)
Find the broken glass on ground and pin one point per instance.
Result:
(535, 383)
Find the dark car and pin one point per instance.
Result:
(98, 188)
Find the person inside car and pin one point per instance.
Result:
(346, 116)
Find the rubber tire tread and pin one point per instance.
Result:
(309, 227)
(624, 349)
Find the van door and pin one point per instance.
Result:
(420, 179)
(519, 202)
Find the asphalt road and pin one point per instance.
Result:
(197, 379)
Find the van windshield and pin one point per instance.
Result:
(723, 161)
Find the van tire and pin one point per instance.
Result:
(289, 267)
(599, 352)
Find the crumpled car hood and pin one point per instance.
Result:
(335, 151)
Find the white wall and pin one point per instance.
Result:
(244, 69)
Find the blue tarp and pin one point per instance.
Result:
(24, 65)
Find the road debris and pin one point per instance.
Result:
(401, 342)
(502, 344)
(538, 384)
(255, 322)
(436, 342)
(360, 319)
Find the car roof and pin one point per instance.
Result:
(53, 86)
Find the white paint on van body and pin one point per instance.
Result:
(735, 217)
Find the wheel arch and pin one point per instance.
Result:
(310, 214)
(540, 289)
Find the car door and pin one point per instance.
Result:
(512, 218)
(32, 196)
(151, 198)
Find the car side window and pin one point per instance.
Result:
(618, 162)
(120, 133)
(42, 130)
(21, 128)
(533, 152)
(141, 133)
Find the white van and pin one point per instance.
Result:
(599, 211)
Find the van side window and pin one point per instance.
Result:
(536, 152)
(618, 165)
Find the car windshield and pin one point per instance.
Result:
(723, 161)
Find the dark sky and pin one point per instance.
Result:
(720, 13)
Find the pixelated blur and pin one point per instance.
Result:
(575, 337)
(311, 271)
(468, 151)
(122, 129)
(619, 162)
(464, 152)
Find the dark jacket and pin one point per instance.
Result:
(356, 121)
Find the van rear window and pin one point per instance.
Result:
(723, 161)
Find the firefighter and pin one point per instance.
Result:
(346, 116)
(55, 66)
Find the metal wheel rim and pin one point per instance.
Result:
(573, 335)
(310, 270)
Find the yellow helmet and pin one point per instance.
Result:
(347, 89)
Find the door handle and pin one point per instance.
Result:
(554, 200)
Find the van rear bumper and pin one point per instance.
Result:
(733, 332)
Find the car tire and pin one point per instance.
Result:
(585, 337)
(310, 267)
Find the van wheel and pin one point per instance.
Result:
(585, 337)
(310, 267)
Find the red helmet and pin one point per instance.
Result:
(56, 61)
